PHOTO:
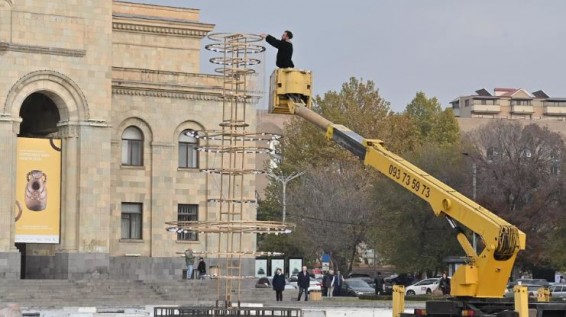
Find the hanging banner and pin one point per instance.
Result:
(38, 190)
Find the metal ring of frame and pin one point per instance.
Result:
(234, 226)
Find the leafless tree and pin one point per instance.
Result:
(333, 206)
(520, 177)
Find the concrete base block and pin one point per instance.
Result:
(10, 265)
(72, 266)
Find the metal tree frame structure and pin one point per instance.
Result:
(231, 147)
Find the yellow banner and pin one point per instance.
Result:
(38, 191)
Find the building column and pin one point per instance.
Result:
(10, 258)
(69, 188)
(86, 160)
(5, 22)
(162, 191)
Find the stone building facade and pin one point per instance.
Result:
(119, 83)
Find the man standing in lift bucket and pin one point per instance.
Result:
(284, 48)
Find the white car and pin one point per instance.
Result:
(558, 290)
(426, 286)
(315, 284)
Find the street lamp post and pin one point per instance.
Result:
(284, 180)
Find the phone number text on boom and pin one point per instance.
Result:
(406, 179)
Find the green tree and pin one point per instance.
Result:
(358, 106)
(432, 123)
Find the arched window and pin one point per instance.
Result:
(188, 149)
(132, 147)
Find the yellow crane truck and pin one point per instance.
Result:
(477, 286)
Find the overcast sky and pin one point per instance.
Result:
(444, 48)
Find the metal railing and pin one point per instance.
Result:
(201, 311)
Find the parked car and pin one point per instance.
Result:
(315, 283)
(532, 290)
(426, 286)
(388, 286)
(263, 282)
(266, 282)
(359, 286)
(526, 281)
(354, 287)
(354, 274)
(558, 290)
(532, 285)
(402, 279)
(369, 280)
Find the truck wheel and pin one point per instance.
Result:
(410, 293)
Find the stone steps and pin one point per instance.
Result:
(123, 293)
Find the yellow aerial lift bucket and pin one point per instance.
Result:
(289, 86)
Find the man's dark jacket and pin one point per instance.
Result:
(303, 280)
(284, 52)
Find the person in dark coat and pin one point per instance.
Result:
(278, 285)
(201, 268)
(284, 48)
(379, 281)
(303, 281)
(444, 284)
(326, 281)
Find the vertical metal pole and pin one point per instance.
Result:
(474, 169)
(284, 199)
(284, 180)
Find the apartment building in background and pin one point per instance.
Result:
(510, 103)
(537, 107)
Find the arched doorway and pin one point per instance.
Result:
(40, 117)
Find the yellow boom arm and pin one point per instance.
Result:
(486, 274)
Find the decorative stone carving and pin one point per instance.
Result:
(34, 49)
(161, 30)
(166, 94)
